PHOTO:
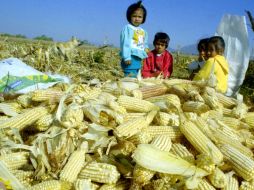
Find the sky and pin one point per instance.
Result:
(99, 21)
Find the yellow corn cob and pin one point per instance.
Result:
(135, 104)
(218, 178)
(211, 100)
(51, 185)
(227, 112)
(74, 165)
(131, 116)
(25, 177)
(214, 114)
(141, 175)
(204, 127)
(87, 93)
(179, 90)
(162, 98)
(134, 126)
(162, 118)
(25, 119)
(205, 162)
(231, 122)
(197, 107)
(154, 90)
(246, 186)
(25, 100)
(100, 172)
(249, 119)
(15, 160)
(137, 94)
(240, 110)
(116, 107)
(232, 182)
(204, 185)
(167, 103)
(227, 131)
(181, 151)
(140, 138)
(201, 143)
(170, 82)
(226, 101)
(162, 142)
(72, 117)
(241, 163)
(224, 139)
(173, 100)
(165, 119)
(47, 95)
(44, 122)
(10, 109)
(82, 184)
(173, 132)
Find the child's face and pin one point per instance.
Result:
(159, 47)
(137, 17)
(211, 52)
(202, 55)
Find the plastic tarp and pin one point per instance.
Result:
(18, 77)
(234, 31)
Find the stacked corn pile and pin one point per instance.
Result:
(127, 134)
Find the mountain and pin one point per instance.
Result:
(189, 49)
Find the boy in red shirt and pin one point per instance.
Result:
(159, 60)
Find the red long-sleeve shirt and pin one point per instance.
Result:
(155, 64)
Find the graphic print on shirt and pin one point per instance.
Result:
(138, 40)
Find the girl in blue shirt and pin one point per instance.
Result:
(133, 40)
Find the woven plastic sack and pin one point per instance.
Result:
(17, 77)
(233, 29)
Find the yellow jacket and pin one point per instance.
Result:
(220, 71)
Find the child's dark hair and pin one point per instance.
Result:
(219, 44)
(161, 37)
(133, 7)
(202, 44)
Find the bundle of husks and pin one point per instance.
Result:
(127, 134)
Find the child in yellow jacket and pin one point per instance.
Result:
(216, 64)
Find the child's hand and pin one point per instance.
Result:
(147, 50)
(128, 62)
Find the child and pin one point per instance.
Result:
(216, 64)
(195, 66)
(133, 40)
(159, 60)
